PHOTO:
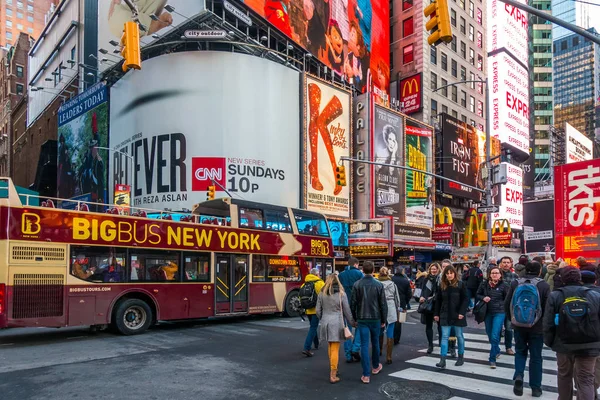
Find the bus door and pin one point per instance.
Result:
(231, 283)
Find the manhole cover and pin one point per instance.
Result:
(415, 390)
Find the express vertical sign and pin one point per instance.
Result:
(411, 94)
(510, 198)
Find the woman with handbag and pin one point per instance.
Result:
(332, 308)
(490, 308)
(393, 305)
(429, 288)
(450, 310)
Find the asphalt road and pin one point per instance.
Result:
(250, 358)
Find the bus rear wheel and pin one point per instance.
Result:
(132, 317)
(292, 305)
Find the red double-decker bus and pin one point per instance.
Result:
(226, 257)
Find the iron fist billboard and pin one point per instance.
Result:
(327, 113)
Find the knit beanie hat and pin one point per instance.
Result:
(588, 277)
(570, 276)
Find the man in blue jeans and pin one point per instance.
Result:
(529, 340)
(348, 278)
(369, 309)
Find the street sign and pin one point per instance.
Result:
(539, 235)
(488, 209)
(527, 228)
(201, 34)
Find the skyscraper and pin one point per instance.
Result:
(578, 13)
(22, 16)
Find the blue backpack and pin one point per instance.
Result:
(526, 305)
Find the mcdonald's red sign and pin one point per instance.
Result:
(411, 94)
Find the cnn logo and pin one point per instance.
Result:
(206, 170)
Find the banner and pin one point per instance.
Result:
(82, 129)
(420, 187)
(578, 146)
(327, 113)
(510, 197)
(122, 197)
(387, 139)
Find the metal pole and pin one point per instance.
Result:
(488, 156)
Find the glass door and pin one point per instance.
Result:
(231, 283)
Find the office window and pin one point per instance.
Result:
(480, 40)
(463, 50)
(480, 108)
(8, 12)
(433, 81)
(479, 16)
(19, 4)
(408, 27)
(454, 94)
(471, 9)
(20, 27)
(480, 88)
(406, 4)
(407, 54)
(453, 17)
(480, 62)
(463, 25)
(454, 114)
(19, 15)
(444, 62)
(434, 107)
(471, 56)
(444, 90)
(433, 57)
(463, 73)
(19, 89)
(9, 2)
(444, 109)
(472, 122)
(29, 18)
(472, 104)
(463, 118)
(472, 78)
(453, 44)
(19, 71)
(29, 30)
(9, 35)
(462, 4)
(463, 98)
(471, 33)
(29, 8)
(454, 69)
(9, 24)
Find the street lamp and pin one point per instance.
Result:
(131, 166)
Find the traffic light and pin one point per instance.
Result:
(439, 23)
(210, 193)
(340, 175)
(131, 46)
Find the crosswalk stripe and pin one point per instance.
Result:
(484, 338)
(486, 346)
(479, 369)
(504, 358)
(465, 384)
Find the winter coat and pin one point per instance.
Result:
(421, 276)
(404, 289)
(508, 277)
(474, 278)
(544, 291)
(318, 286)
(430, 286)
(520, 270)
(549, 277)
(392, 299)
(451, 303)
(368, 300)
(557, 279)
(348, 278)
(497, 296)
(331, 324)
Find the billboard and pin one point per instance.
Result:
(207, 129)
(327, 137)
(410, 93)
(536, 215)
(362, 187)
(510, 198)
(507, 29)
(463, 148)
(350, 37)
(579, 147)
(420, 189)
(82, 128)
(387, 141)
(112, 16)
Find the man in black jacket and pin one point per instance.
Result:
(529, 340)
(369, 309)
(579, 358)
(405, 293)
(474, 279)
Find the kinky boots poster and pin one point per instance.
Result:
(327, 122)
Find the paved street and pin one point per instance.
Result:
(253, 358)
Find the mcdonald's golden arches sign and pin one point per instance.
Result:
(443, 224)
(475, 233)
(501, 233)
(411, 94)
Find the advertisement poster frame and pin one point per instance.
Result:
(414, 159)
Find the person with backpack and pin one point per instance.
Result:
(474, 279)
(393, 305)
(508, 276)
(405, 293)
(348, 278)
(572, 330)
(525, 304)
(450, 310)
(493, 292)
(369, 309)
(309, 294)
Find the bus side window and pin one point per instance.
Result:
(259, 268)
(278, 221)
(196, 267)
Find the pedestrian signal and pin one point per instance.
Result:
(439, 22)
(340, 175)
(210, 193)
(131, 46)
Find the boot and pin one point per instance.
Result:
(442, 363)
(333, 378)
(452, 347)
(430, 348)
(380, 345)
(460, 361)
(390, 348)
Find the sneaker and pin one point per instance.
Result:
(365, 379)
(497, 356)
(307, 353)
(536, 392)
(518, 387)
(493, 365)
(377, 370)
(510, 352)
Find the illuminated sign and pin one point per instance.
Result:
(411, 94)
(443, 224)
(501, 233)
(376, 250)
(578, 146)
(510, 198)
(475, 233)
(507, 29)
(410, 231)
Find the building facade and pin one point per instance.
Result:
(13, 86)
(582, 14)
(27, 16)
(577, 84)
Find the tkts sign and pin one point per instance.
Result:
(411, 94)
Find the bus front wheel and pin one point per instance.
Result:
(292, 305)
(133, 316)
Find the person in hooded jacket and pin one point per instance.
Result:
(550, 272)
(405, 293)
(392, 299)
(429, 290)
(311, 313)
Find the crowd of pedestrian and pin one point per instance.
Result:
(530, 304)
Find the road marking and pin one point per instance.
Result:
(477, 386)
(76, 337)
(486, 346)
(504, 358)
(6, 344)
(484, 338)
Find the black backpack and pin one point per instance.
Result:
(578, 321)
(308, 295)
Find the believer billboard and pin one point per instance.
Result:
(579, 147)
(463, 149)
(419, 186)
(350, 37)
(327, 123)
(388, 140)
(206, 128)
(82, 128)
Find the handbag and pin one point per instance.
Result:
(480, 310)
(426, 306)
(347, 331)
(402, 316)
